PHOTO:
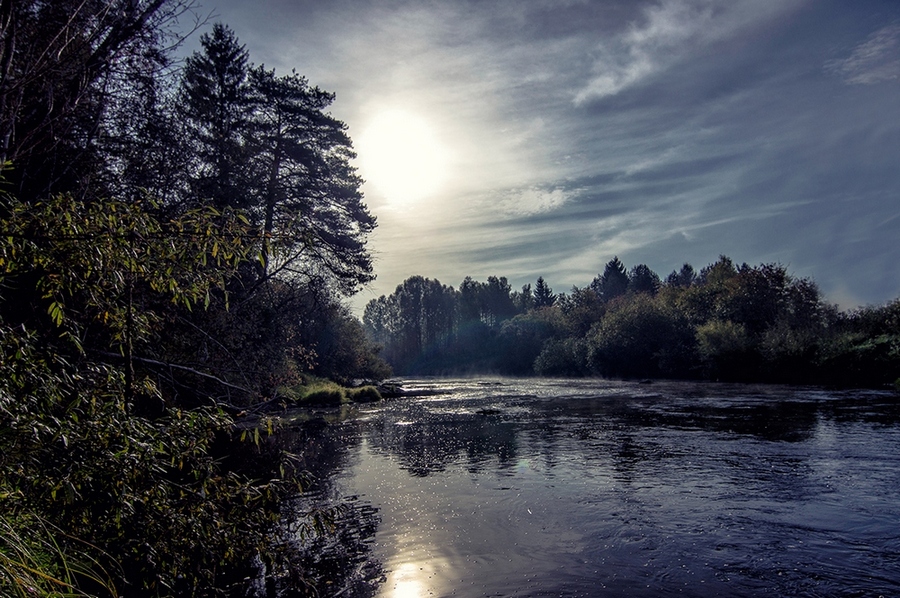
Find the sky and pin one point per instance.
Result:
(527, 138)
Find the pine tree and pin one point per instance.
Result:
(613, 282)
(215, 104)
(682, 278)
(306, 194)
(643, 280)
(543, 294)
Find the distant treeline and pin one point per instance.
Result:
(725, 322)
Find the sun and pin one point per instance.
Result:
(402, 157)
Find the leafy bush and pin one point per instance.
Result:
(149, 492)
(562, 357)
(640, 336)
(78, 449)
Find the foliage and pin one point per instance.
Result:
(263, 143)
(564, 357)
(543, 294)
(640, 337)
(76, 451)
(613, 282)
(215, 105)
(67, 65)
(751, 323)
(725, 348)
(415, 322)
(149, 492)
(133, 329)
(317, 391)
(522, 339)
(39, 559)
(683, 278)
(642, 279)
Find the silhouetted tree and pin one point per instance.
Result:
(215, 104)
(489, 302)
(497, 301)
(582, 308)
(613, 282)
(641, 336)
(304, 191)
(64, 67)
(718, 273)
(415, 324)
(643, 280)
(543, 294)
(682, 278)
(523, 337)
(523, 300)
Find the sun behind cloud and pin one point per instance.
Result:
(401, 155)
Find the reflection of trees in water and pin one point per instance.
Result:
(779, 420)
(429, 446)
(654, 436)
(338, 561)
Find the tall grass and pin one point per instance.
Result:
(40, 560)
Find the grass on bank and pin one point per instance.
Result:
(325, 392)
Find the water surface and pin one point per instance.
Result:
(511, 487)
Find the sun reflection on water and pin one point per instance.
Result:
(406, 581)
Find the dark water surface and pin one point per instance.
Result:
(510, 487)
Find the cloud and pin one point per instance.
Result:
(534, 200)
(670, 31)
(875, 60)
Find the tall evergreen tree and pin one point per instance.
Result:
(683, 278)
(306, 194)
(543, 294)
(613, 282)
(215, 103)
(642, 279)
(265, 144)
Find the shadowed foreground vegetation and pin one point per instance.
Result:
(176, 246)
(725, 322)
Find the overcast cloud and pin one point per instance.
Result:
(663, 132)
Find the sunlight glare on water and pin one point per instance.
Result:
(406, 581)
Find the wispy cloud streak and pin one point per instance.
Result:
(670, 31)
(873, 61)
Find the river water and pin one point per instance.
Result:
(538, 487)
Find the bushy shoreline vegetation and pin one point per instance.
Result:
(725, 322)
(327, 392)
(175, 246)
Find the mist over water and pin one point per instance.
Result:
(539, 487)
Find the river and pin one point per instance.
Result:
(539, 487)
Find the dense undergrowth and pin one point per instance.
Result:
(176, 244)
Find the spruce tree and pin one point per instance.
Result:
(643, 280)
(543, 294)
(215, 104)
(613, 282)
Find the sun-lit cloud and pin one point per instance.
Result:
(873, 61)
(534, 200)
